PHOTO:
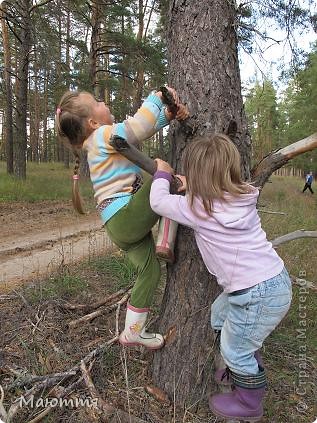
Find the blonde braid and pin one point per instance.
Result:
(70, 123)
(76, 197)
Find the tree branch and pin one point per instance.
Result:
(301, 233)
(278, 158)
(270, 212)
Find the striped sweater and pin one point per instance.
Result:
(113, 175)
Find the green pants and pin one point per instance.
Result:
(130, 229)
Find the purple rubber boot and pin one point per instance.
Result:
(244, 403)
(223, 377)
(241, 404)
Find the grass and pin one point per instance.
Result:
(72, 281)
(284, 194)
(116, 267)
(291, 350)
(45, 181)
(62, 285)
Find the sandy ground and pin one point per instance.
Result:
(37, 238)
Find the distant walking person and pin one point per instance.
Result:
(308, 182)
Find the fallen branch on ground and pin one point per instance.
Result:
(89, 317)
(301, 233)
(63, 393)
(270, 212)
(90, 307)
(54, 380)
(101, 410)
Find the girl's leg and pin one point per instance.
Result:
(143, 257)
(219, 311)
(130, 230)
(135, 220)
(253, 314)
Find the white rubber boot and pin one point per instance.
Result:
(134, 332)
(166, 239)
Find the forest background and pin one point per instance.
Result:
(117, 50)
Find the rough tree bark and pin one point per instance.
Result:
(8, 92)
(22, 92)
(95, 42)
(139, 81)
(203, 67)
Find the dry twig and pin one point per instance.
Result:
(102, 409)
(89, 317)
(91, 307)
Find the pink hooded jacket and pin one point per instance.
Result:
(232, 243)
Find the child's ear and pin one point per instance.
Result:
(92, 124)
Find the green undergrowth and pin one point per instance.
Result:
(72, 281)
(284, 194)
(44, 181)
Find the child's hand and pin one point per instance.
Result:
(182, 112)
(183, 187)
(164, 166)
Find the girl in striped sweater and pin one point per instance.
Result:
(121, 194)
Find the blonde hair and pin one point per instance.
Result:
(212, 167)
(71, 127)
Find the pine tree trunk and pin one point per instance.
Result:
(8, 93)
(203, 67)
(22, 92)
(94, 59)
(66, 150)
(139, 80)
(45, 145)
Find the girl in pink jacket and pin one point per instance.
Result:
(221, 209)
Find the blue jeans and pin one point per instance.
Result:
(247, 317)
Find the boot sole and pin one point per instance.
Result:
(240, 419)
(165, 254)
(139, 344)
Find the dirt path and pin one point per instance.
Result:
(37, 238)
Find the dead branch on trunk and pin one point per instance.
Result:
(278, 158)
(301, 233)
(89, 317)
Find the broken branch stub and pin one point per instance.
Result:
(278, 158)
(130, 152)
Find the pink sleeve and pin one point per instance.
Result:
(173, 206)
